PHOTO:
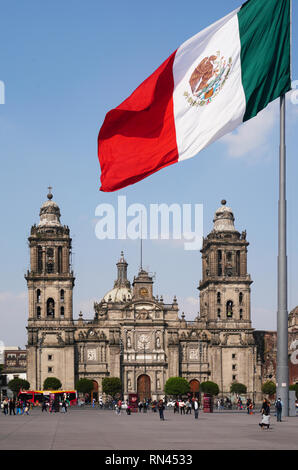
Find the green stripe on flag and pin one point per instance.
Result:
(264, 29)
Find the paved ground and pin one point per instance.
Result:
(89, 428)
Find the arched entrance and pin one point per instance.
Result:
(144, 387)
(94, 393)
(194, 387)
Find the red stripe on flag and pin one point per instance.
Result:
(138, 137)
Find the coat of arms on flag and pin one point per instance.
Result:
(208, 78)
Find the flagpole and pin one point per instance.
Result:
(282, 369)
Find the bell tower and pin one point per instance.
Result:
(225, 285)
(50, 283)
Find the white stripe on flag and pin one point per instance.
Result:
(202, 117)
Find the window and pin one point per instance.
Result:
(62, 311)
(218, 313)
(241, 313)
(38, 312)
(234, 366)
(238, 263)
(50, 252)
(50, 369)
(50, 357)
(50, 307)
(229, 256)
(38, 295)
(218, 297)
(62, 295)
(50, 268)
(234, 377)
(233, 356)
(229, 309)
(240, 298)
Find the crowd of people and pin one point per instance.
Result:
(13, 406)
(180, 406)
(16, 406)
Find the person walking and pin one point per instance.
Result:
(248, 403)
(26, 409)
(118, 409)
(44, 406)
(161, 408)
(278, 407)
(12, 406)
(140, 406)
(182, 407)
(239, 404)
(188, 406)
(145, 406)
(265, 415)
(196, 408)
(5, 406)
(100, 402)
(18, 406)
(64, 406)
(23, 406)
(176, 407)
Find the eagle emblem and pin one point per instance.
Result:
(207, 79)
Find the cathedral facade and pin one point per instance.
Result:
(134, 334)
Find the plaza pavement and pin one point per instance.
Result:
(95, 429)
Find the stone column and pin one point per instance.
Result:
(243, 262)
(56, 259)
(43, 260)
(33, 258)
(67, 304)
(65, 259)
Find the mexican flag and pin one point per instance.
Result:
(219, 78)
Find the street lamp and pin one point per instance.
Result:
(39, 346)
(121, 367)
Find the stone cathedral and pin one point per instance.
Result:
(134, 334)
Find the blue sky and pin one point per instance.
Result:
(64, 65)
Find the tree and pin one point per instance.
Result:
(52, 383)
(84, 386)
(238, 388)
(294, 387)
(209, 387)
(111, 386)
(176, 386)
(269, 388)
(16, 385)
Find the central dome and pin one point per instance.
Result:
(121, 291)
(118, 294)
